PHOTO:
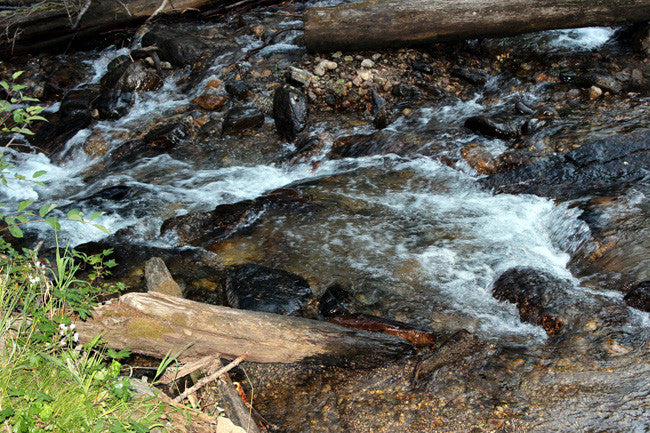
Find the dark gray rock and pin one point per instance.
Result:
(490, 128)
(241, 118)
(472, 76)
(290, 111)
(178, 48)
(114, 103)
(167, 135)
(131, 77)
(238, 89)
(601, 167)
(425, 68)
(258, 288)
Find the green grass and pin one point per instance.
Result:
(49, 383)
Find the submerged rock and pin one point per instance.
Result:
(597, 168)
(167, 135)
(290, 111)
(354, 146)
(227, 220)
(472, 76)
(114, 103)
(258, 288)
(238, 89)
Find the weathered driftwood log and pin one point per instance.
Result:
(392, 23)
(155, 324)
(49, 23)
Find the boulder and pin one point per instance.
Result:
(541, 298)
(241, 118)
(600, 167)
(158, 279)
(290, 111)
(114, 103)
(210, 102)
(238, 89)
(167, 135)
(178, 48)
(353, 146)
(131, 76)
(258, 288)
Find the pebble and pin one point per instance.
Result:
(367, 63)
(595, 92)
(323, 66)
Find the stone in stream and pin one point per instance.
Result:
(167, 135)
(210, 102)
(290, 111)
(639, 296)
(425, 68)
(158, 279)
(472, 76)
(178, 48)
(542, 299)
(131, 76)
(62, 79)
(227, 220)
(238, 89)
(353, 146)
(490, 128)
(600, 167)
(114, 103)
(381, 115)
(241, 118)
(258, 288)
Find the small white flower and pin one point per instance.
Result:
(63, 342)
(63, 327)
(73, 327)
(75, 337)
(34, 279)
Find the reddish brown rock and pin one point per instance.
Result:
(210, 102)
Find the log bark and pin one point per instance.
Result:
(49, 24)
(154, 324)
(378, 24)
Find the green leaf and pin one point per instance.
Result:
(15, 231)
(44, 210)
(75, 215)
(96, 215)
(37, 118)
(5, 413)
(18, 87)
(4, 85)
(53, 222)
(10, 220)
(22, 218)
(23, 204)
(16, 74)
(102, 228)
(39, 173)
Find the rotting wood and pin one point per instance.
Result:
(154, 324)
(394, 23)
(201, 383)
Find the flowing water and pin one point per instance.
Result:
(413, 236)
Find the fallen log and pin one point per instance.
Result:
(155, 324)
(378, 24)
(47, 24)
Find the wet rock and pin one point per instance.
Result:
(488, 127)
(354, 146)
(542, 299)
(167, 135)
(381, 116)
(158, 279)
(114, 103)
(210, 102)
(323, 66)
(595, 92)
(479, 158)
(335, 301)
(178, 48)
(425, 68)
(112, 193)
(641, 39)
(403, 91)
(523, 108)
(227, 220)
(64, 78)
(472, 76)
(532, 125)
(131, 76)
(258, 288)
(238, 89)
(299, 76)
(639, 296)
(597, 168)
(241, 118)
(73, 115)
(290, 111)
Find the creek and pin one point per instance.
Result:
(408, 229)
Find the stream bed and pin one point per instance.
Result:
(408, 204)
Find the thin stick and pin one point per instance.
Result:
(201, 383)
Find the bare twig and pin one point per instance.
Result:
(201, 383)
(81, 13)
(177, 373)
(161, 8)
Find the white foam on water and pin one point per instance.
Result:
(100, 64)
(586, 38)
